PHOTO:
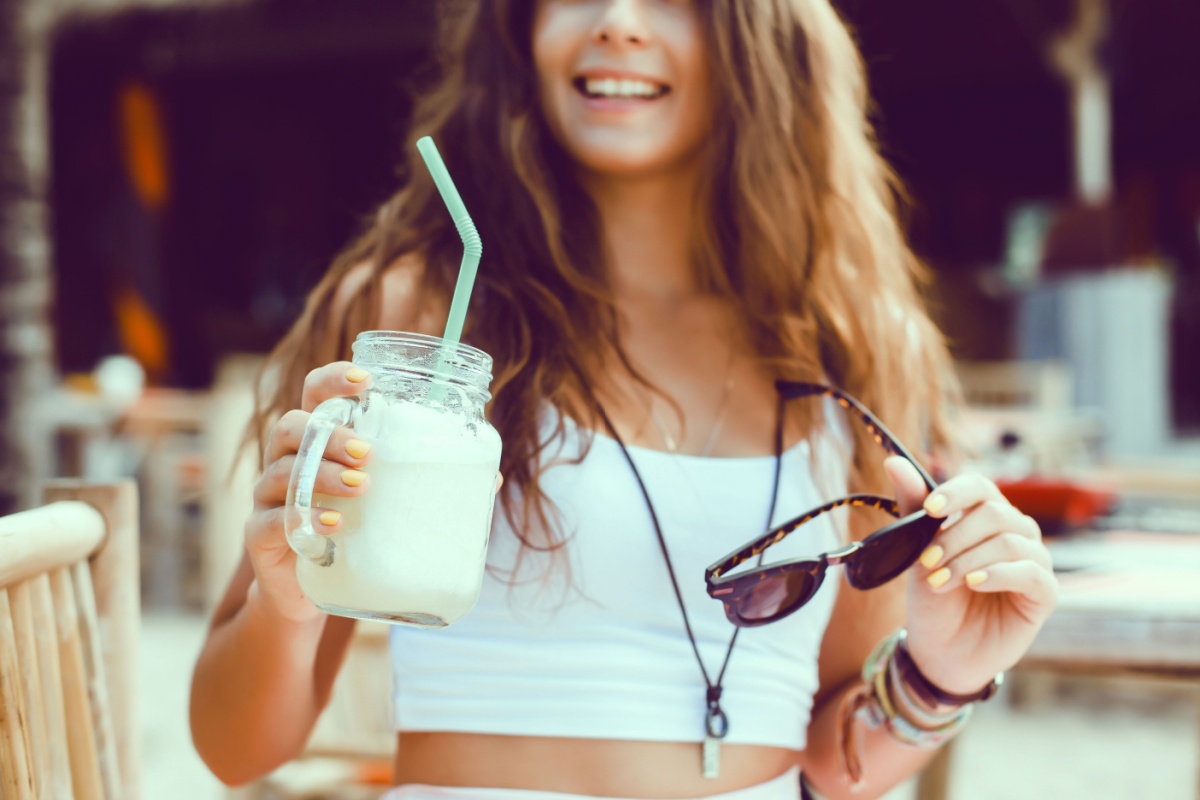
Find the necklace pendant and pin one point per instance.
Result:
(716, 725)
(712, 757)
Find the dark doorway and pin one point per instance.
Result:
(209, 163)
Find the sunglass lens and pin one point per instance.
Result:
(777, 594)
(889, 551)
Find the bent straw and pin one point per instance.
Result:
(472, 245)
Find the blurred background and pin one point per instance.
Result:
(175, 176)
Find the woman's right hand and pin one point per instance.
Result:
(341, 474)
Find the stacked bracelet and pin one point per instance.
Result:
(894, 706)
(897, 696)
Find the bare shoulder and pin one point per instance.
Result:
(408, 303)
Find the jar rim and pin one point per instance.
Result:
(422, 338)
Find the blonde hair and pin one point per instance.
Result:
(797, 227)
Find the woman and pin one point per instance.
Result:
(681, 203)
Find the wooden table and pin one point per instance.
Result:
(1129, 606)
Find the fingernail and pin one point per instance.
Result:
(932, 555)
(938, 579)
(353, 477)
(330, 518)
(356, 375)
(977, 577)
(357, 448)
(935, 503)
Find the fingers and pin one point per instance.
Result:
(333, 478)
(1026, 578)
(971, 567)
(343, 446)
(961, 493)
(910, 488)
(340, 473)
(989, 518)
(988, 545)
(339, 379)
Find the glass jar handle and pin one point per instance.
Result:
(297, 522)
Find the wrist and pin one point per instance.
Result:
(261, 609)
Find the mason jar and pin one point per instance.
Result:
(412, 549)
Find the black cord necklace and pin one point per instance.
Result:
(716, 723)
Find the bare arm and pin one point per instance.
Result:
(261, 681)
(859, 621)
(268, 665)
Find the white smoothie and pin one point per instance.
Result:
(413, 548)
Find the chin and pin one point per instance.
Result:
(620, 164)
(625, 161)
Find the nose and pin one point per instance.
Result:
(622, 23)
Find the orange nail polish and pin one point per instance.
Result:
(356, 375)
(353, 477)
(330, 518)
(935, 503)
(977, 577)
(932, 555)
(938, 579)
(357, 448)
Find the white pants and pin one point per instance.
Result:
(785, 787)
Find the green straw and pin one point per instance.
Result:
(472, 245)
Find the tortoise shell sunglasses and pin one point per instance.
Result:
(767, 594)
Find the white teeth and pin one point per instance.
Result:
(611, 87)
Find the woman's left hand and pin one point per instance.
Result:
(982, 589)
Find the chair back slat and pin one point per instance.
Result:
(114, 568)
(68, 640)
(16, 780)
(86, 779)
(45, 631)
(32, 694)
(94, 669)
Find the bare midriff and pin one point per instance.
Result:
(597, 767)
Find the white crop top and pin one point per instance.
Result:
(589, 642)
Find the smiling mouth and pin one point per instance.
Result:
(619, 88)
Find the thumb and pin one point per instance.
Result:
(910, 489)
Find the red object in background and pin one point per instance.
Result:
(375, 772)
(1058, 504)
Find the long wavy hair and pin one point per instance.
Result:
(796, 225)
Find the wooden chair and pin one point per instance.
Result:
(69, 616)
